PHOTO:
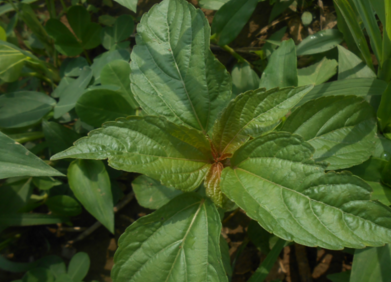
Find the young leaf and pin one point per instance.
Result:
(90, 183)
(117, 73)
(79, 266)
(100, 105)
(275, 181)
(252, 114)
(317, 73)
(58, 137)
(16, 160)
(371, 264)
(174, 73)
(281, 71)
(350, 17)
(351, 66)
(319, 42)
(130, 4)
(243, 78)
(45, 183)
(231, 18)
(180, 159)
(24, 108)
(105, 58)
(151, 194)
(341, 129)
(179, 242)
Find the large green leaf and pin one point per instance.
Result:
(16, 160)
(362, 87)
(351, 66)
(24, 108)
(371, 264)
(341, 129)
(58, 137)
(117, 73)
(100, 105)
(275, 181)
(319, 42)
(353, 24)
(11, 62)
(317, 73)
(252, 114)
(243, 78)
(231, 18)
(90, 183)
(281, 71)
(174, 73)
(179, 242)
(152, 194)
(176, 155)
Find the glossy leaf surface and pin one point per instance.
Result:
(180, 159)
(231, 18)
(16, 160)
(151, 194)
(252, 114)
(100, 105)
(317, 73)
(90, 183)
(281, 70)
(178, 242)
(319, 42)
(341, 129)
(274, 179)
(174, 73)
(24, 108)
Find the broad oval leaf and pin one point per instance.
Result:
(105, 58)
(64, 205)
(243, 78)
(79, 266)
(274, 179)
(341, 129)
(176, 155)
(231, 18)
(174, 73)
(281, 71)
(319, 42)
(117, 73)
(252, 114)
(24, 108)
(90, 183)
(16, 160)
(152, 194)
(100, 105)
(179, 242)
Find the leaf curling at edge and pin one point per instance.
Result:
(176, 155)
(275, 180)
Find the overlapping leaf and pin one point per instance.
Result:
(176, 155)
(341, 129)
(179, 242)
(174, 73)
(274, 179)
(252, 114)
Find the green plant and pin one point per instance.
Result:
(244, 156)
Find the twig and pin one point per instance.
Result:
(264, 30)
(72, 229)
(97, 224)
